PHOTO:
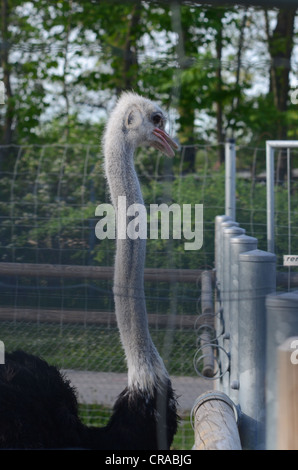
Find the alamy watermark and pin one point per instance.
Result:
(132, 222)
(294, 354)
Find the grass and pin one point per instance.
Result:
(95, 348)
(184, 438)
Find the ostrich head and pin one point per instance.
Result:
(138, 122)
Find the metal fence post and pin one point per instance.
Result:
(257, 279)
(287, 392)
(230, 179)
(270, 196)
(282, 322)
(226, 291)
(219, 220)
(239, 244)
(207, 328)
(215, 422)
(221, 262)
(222, 255)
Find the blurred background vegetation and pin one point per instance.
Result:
(220, 72)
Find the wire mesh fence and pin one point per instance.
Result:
(48, 197)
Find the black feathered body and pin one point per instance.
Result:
(39, 410)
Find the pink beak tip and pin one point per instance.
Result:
(168, 141)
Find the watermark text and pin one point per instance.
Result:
(294, 354)
(187, 222)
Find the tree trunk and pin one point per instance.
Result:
(6, 137)
(236, 99)
(280, 43)
(130, 58)
(65, 71)
(186, 112)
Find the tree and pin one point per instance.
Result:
(72, 58)
(193, 79)
(6, 136)
(22, 69)
(117, 29)
(280, 45)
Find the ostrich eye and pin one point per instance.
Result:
(157, 119)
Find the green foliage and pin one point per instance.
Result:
(68, 60)
(48, 205)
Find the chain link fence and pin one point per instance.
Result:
(48, 197)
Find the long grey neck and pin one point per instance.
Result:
(145, 367)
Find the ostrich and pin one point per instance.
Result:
(38, 406)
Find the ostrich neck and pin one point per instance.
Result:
(145, 366)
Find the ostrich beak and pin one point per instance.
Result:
(164, 143)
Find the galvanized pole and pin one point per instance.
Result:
(239, 244)
(270, 196)
(219, 219)
(215, 422)
(207, 334)
(222, 255)
(221, 222)
(222, 261)
(226, 293)
(287, 385)
(282, 322)
(257, 279)
(230, 179)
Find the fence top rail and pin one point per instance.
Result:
(107, 272)
(98, 317)
(95, 272)
(282, 143)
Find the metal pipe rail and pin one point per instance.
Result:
(95, 272)
(215, 422)
(107, 272)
